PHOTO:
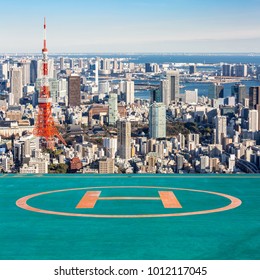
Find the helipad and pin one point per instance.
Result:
(130, 217)
(167, 198)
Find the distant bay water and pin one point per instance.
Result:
(177, 58)
(202, 88)
(206, 59)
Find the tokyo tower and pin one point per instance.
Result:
(44, 125)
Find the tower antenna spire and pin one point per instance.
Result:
(45, 126)
(44, 36)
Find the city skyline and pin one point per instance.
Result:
(132, 27)
(122, 116)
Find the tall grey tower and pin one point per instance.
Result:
(221, 128)
(74, 90)
(16, 84)
(173, 82)
(112, 109)
(157, 120)
(61, 63)
(254, 97)
(170, 88)
(33, 71)
(165, 92)
(25, 66)
(124, 139)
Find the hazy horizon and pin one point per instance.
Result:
(137, 53)
(137, 26)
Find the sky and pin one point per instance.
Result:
(130, 26)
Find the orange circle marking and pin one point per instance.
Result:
(234, 203)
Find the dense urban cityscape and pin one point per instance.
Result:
(102, 126)
(130, 139)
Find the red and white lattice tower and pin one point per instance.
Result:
(44, 125)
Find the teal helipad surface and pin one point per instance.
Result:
(211, 217)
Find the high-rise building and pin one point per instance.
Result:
(54, 89)
(96, 72)
(61, 63)
(173, 84)
(239, 70)
(179, 162)
(214, 164)
(115, 65)
(253, 121)
(156, 95)
(258, 110)
(239, 91)
(232, 163)
(159, 149)
(254, 97)
(219, 91)
(216, 91)
(120, 66)
(246, 102)
(106, 166)
(181, 141)
(226, 70)
(192, 69)
(148, 67)
(51, 69)
(157, 120)
(191, 96)
(121, 90)
(80, 63)
(124, 139)
(151, 158)
(170, 88)
(204, 163)
(221, 128)
(131, 66)
(103, 87)
(105, 64)
(258, 70)
(71, 63)
(33, 71)
(164, 93)
(112, 109)
(25, 65)
(63, 89)
(110, 146)
(194, 137)
(156, 68)
(102, 67)
(3, 71)
(74, 90)
(130, 92)
(230, 101)
(16, 84)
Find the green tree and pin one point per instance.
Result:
(60, 168)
